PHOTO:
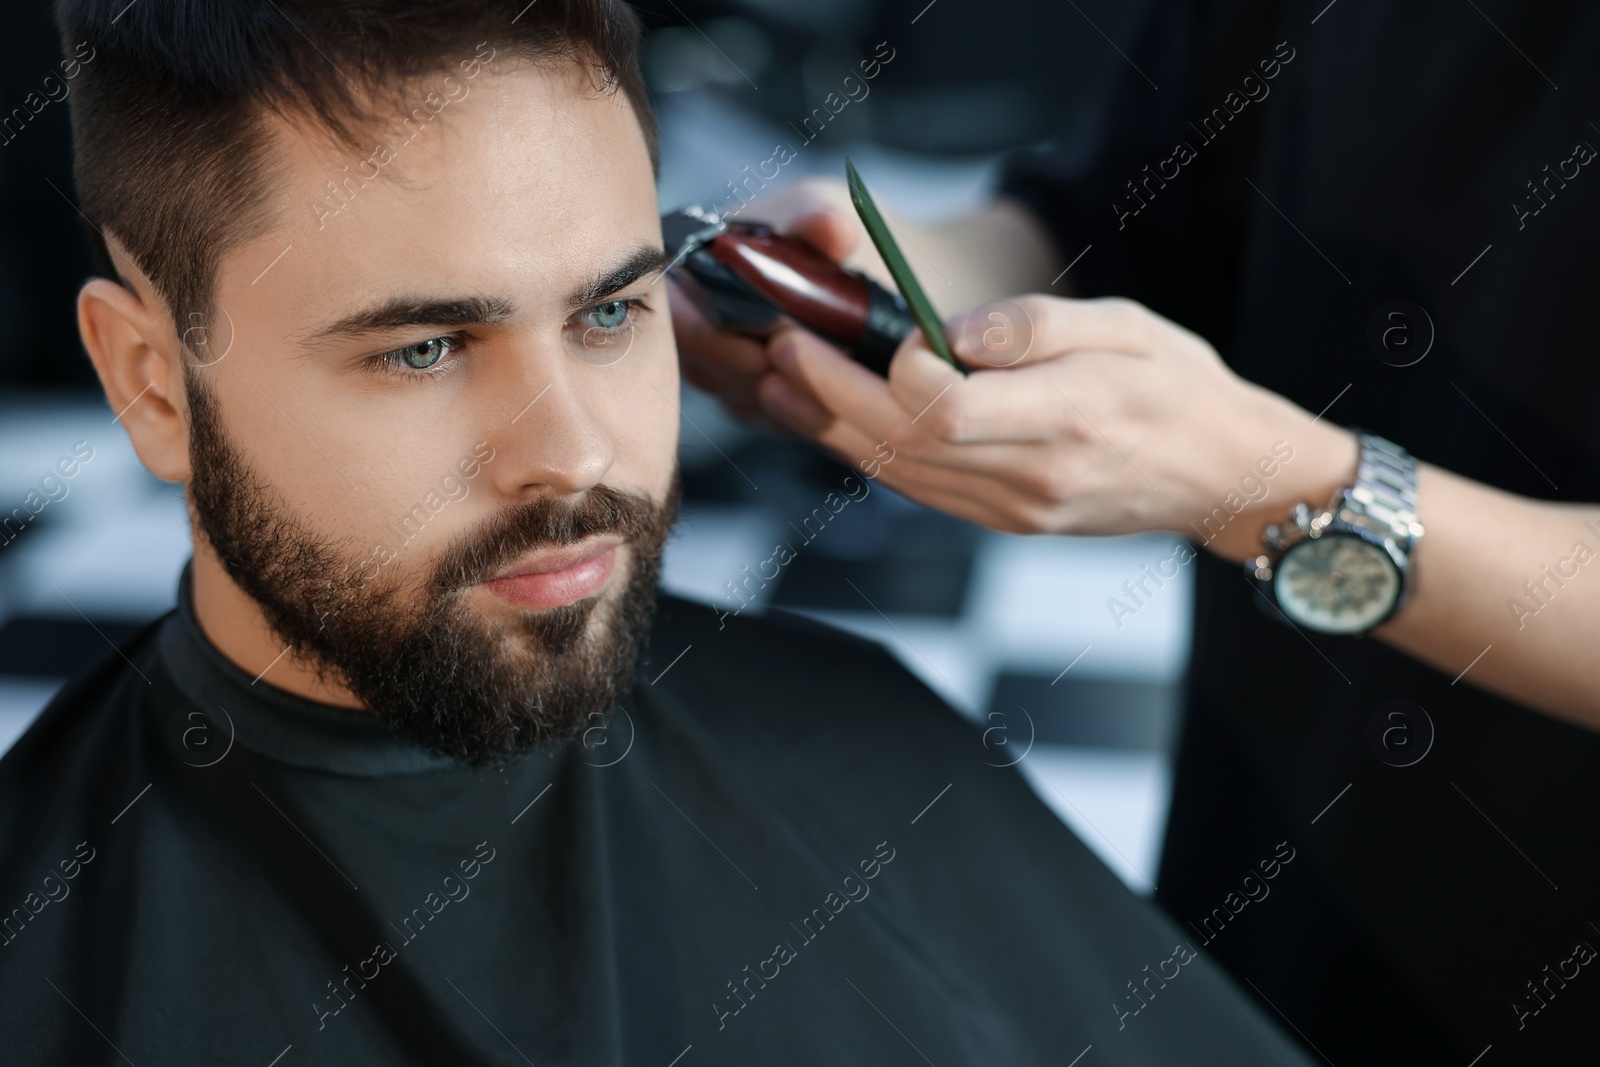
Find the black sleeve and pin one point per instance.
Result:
(1128, 119)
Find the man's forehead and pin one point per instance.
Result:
(527, 173)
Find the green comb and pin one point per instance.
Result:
(904, 279)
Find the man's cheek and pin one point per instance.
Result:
(645, 422)
(665, 365)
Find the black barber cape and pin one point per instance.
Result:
(783, 850)
(1301, 167)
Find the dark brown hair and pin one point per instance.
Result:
(171, 152)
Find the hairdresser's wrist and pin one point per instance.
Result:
(1313, 458)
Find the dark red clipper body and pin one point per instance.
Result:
(744, 276)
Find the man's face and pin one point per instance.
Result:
(452, 364)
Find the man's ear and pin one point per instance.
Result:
(129, 342)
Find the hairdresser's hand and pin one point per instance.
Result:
(731, 366)
(1115, 420)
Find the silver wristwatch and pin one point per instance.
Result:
(1346, 568)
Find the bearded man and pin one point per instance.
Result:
(424, 776)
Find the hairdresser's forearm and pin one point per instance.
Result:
(1484, 553)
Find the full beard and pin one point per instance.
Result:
(440, 672)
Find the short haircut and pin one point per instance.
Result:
(172, 157)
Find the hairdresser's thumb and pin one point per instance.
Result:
(829, 230)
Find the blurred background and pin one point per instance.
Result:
(1014, 632)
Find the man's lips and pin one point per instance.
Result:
(555, 577)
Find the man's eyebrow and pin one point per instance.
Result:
(403, 311)
(641, 263)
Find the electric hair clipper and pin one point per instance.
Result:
(743, 276)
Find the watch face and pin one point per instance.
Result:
(1337, 583)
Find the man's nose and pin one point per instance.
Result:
(551, 443)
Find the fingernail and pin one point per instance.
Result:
(784, 405)
(781, 396)
(783, 352)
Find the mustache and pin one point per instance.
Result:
(550, 523)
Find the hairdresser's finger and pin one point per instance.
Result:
(977, 497)
(724, 364)
(1041, 402)
(842, 386)
(737, 391)
(793, 404)
(854, 395)
(828, 230)
(754, 414)
(1035, 327)
(699, 341)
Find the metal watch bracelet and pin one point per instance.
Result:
(1384, 496)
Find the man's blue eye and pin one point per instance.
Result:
(423, 354)
(611, 315)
